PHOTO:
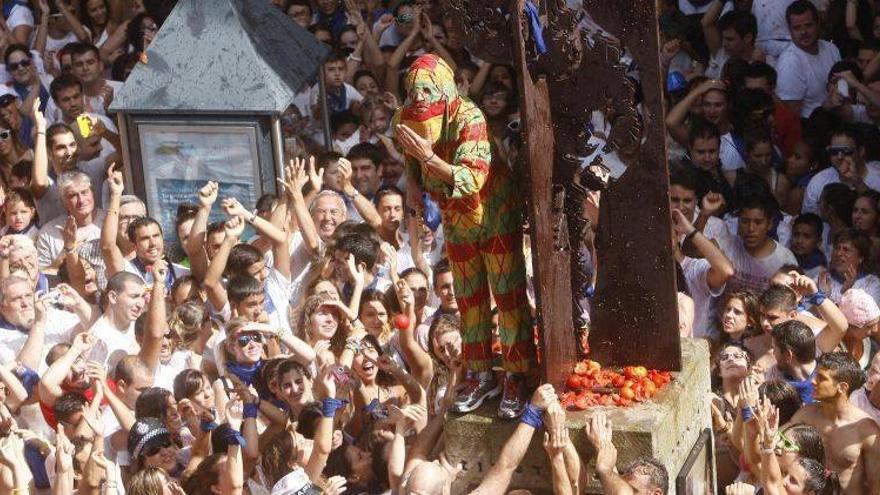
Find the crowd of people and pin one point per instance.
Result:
(318, 343)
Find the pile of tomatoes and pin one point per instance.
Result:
(591, 385)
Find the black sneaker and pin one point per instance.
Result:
(478, 387)
(513, 402)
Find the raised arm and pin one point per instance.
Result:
(836, 325)
(325, 386)
(40, 171)
(70, 16)
(598, 432)
(195, 245)
(419, 361)
(498, 478)
(363, 205)
(710, 25)
(16, 394)
(32, 350)
(555, 442)
(275, 235)
(771, 474)
(675, 118)
(295, 178)
(852, 9)
(113, 258)
(157, 321)
(50, 382)
(213, 283)
(720, 268)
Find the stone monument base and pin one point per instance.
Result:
(666, 428)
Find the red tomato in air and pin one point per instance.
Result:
(573, 382)
(618, 380)
(401, 322)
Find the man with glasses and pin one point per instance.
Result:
(847, 153)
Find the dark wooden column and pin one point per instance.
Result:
(553, 285)
(635, 311)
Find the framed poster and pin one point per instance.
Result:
(180, 159)
(697, 476)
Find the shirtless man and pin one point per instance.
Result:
(851, 437)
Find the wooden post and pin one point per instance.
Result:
(552, 275)
(635, 311)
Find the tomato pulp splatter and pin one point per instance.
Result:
(591, 385)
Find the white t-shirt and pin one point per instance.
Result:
(95, 104)
(804, 76)
(50, 242)
(753, 273)
(59, 328)
(868, 283)
(351, 95)
(730, 157)
(300, 266)
(687, 8)
(696, 275)
(813, 193)
(55, 45)
(716, 63)
(783, 230)
(859, 398)
(112, 344)
(773, 34)
(165, 373)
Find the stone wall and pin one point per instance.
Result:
(665, 428)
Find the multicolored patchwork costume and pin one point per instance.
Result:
(482, 218)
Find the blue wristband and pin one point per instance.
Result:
(251, 410)
(207, 425)
(589, 291)
(818, 298)
(747, 413)
(532, 416)
(330, 405)
(238, 439)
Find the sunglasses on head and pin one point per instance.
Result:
(155, 449)
(15, 65)
(841, 150)
(5, 134)
(246, 338)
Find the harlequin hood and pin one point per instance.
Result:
(432, 77)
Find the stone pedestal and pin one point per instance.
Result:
(665, 428)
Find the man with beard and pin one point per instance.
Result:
(851, 437)
(144, 233)
(82, 221)
(114, 330)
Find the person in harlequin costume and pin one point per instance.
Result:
(449, 156)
